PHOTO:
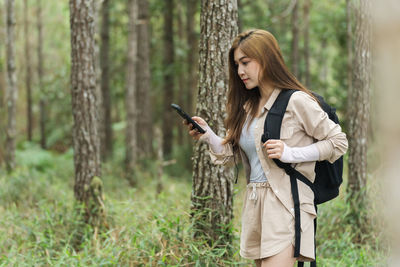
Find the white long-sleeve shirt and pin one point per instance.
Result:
(247, 144)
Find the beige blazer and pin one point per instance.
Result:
(304, 123)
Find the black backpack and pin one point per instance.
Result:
(328, 177)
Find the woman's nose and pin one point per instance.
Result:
(240, 71)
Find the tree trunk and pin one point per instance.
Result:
(182, 132)
(191, 59)
(359, 105)
(88, 186)
(29, 118)
(160, 160)
(130, 97)
(40, 77)
(12, 89)
(192, 41)
(2, 95)
(349, 54)
(106, 134)
(213, 185)
(97, 9)
(168, 63)
(295, 40)
(306, 32)
(144, 88)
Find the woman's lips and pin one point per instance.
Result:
(245, 80)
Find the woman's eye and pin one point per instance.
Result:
(245, 63)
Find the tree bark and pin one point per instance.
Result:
(295, 40)
(306, 32)
(131, 111)
(160, 160)
(3, 113)
(182, 132)
(106, 134)
(192, 41)
(349, 53)
(40, 77)
(213, 185)
(168, 63)
(360, 103)
(28, 75)
(12, 89)
(144, 88)
(88, 186)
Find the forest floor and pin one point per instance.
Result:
(38, 225)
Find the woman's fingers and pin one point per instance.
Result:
(193, 132)
(273, 143)
(270, 146)
(199, 120)
(274, 152)
(274, 148)
(274, 156)
(189, 126)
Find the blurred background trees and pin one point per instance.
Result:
(12, 88)
(151, 53)
(167, 66)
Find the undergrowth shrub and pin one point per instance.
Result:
(39, 225)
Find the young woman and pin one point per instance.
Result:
(257, 74)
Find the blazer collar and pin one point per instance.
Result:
(272, 99)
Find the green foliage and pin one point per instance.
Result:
(41, 224)
(328, 47)
(33, 157)
(183, 166)
(33, 181)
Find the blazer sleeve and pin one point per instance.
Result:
(331, 140)
(224, 157)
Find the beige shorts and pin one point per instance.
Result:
(268, 227)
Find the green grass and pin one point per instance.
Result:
(38, 224)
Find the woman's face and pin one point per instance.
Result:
(247, 68)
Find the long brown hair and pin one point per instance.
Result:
(261, 46)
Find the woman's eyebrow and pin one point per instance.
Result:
(241, 58)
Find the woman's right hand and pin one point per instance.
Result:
(194, 132)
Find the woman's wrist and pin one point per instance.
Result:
(205, 138)
(286, 154)
(213, 140)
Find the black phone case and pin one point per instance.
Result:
(187, 117)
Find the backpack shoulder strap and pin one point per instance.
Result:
(273, 122)
(272, 130)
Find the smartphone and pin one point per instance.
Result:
(187, 117)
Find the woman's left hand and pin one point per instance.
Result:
(274, 148)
